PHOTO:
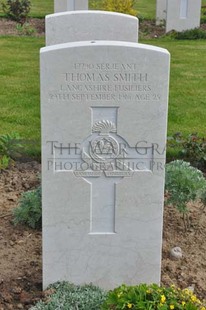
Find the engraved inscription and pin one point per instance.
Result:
(104, 82)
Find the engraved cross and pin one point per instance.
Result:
(105, 158)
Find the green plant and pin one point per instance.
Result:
(7, 149)
(150, 297)
(17, 10)
(29, 210)
(4, 162)
(121, 6)
(203, 14)
(10, 148)
(10, 145)
(194, 150)
(192, 34)
(25, 29)
(68, 296)
(183, 183)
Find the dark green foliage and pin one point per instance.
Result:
(17, 10)
(68, 296)
(194, 150)
(13, 148)
(192, 34)
(203, 14)
(191, 148)
(29, 210)
(183, 183)
(10, 145)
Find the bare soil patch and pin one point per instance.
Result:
(36, 27)
(148, 29)
(20, 247)
(9, 27)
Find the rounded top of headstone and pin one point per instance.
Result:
(90, 12)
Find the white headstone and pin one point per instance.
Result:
(183, 14)
(161, 11)
(70, 5)
(104, 121)
(90, 25)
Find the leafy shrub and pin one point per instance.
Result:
(121, 6)
(17, 10)
(149, 297)
(29, 210)
(183, 183)
(68, 296)
(192, 34)
(191, 148)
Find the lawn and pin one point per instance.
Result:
(19, 86)
(187, 101)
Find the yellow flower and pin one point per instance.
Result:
(186, 291)
(163, 298)
(203, 308)
(193, 298)
(183, 303)
(129, 305)
(172, 306)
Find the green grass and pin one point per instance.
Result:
(19, 86)
(145, 8)
(40, 8)
(187, 101)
